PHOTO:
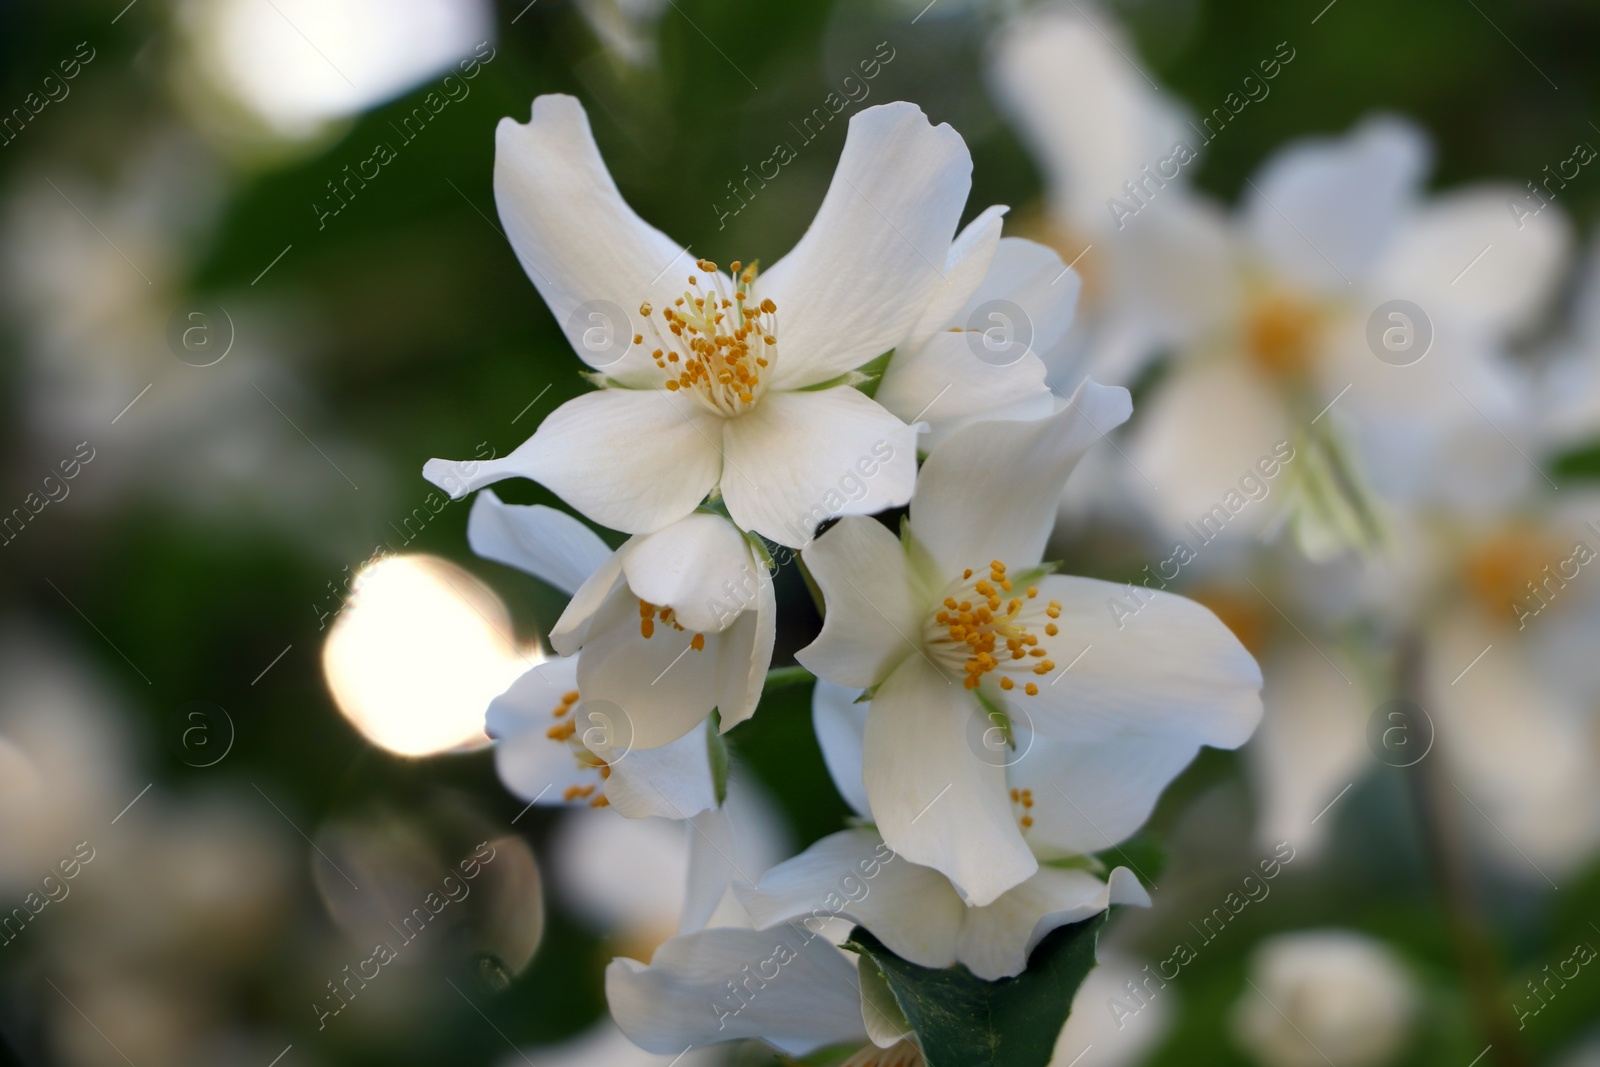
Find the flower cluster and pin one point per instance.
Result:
(992, 727)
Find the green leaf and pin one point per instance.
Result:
(962, 1021)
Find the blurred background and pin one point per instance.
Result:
(252, 277)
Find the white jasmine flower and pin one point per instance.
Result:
(671, 625)
(735, 383)
(1499, 615)
(960, 631)
(914, 910)
(1331, 232)
(1325, 996)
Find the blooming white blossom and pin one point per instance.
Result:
(960, 632)
(914, 910)
(734, 383)
(669, 626)
(1496, 613)
(1331, 232)
(1325, 996)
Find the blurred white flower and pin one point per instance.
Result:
(1327, 996)
(954, 655)
(63, 755)
(738, 384)
(1096, 1035)
(1097, 124)
(94, 271)
(297, 66)
(1332, 231)
(694, 591)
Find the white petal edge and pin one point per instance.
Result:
(875, 604)
(990, 490)
(551, 545)
(871, 260)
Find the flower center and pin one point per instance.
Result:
(985, 630)
(1281, 335)
(566, 730)
(720, 348)
(1503, 572)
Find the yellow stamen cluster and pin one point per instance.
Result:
(649, 613)
(987, 631)
(1281, 335)
(719, 347)
(566, 729)
(1023, 798)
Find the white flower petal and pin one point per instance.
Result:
(1464, 258)
(576, 237)
(572, 628)
(607, 1046)
(658, 688)
(527, 703)
(630, 459)
(1208, 424)
(961, 374)
(795, 459)
(1091, 117)
(535, 767)
(1311, 745)
(1522, 751)
(946, 385)
(744, 655)
(936, 802)
(1323, 209)
(875, 605)
(867, 267)
(996, 939)
(971, 255)
(840, 724)
(1091, 795)
(700, 566)
(795, 992)
(1176, 273)
(549, 544)
(990, 491)
(732, 845)
(912, 909)
(671, 782)
(621, 877)
(1171, 669)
